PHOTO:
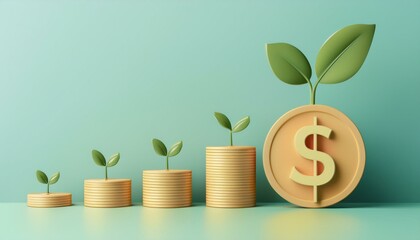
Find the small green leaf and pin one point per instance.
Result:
(343, 54)
(159, 147)
(223, 120)
(113, 160)
(98, 158)
(54, 178)
(241, 125)
(42, 177)
(288, 63)
(175, 149)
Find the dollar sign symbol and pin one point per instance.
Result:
(314, 155)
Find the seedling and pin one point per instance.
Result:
(339, 58)
(161, 150)
(42, 178)
(225, 122)
(99, 159)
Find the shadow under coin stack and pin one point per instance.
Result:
(47, 200)
(230, 176)
(107, 193)
(167, 188)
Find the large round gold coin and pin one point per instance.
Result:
(314, 156)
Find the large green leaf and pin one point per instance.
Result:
(54, 178)
(343, 53)
(42, 177)
(288, 63)
(159, 147)
(223, 120)
(113, 160)
(98, 158)
(175, 149)
(241, 124)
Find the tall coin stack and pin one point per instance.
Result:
(107, 193)
(167, 188)
(47, 200)
(230, 176)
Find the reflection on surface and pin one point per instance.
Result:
(41, 220)
(266, 221)
(301, 223)
(231, 223)
(280, 223)
(107, 223)
(167, 223)
(95, 220)
(156, 221)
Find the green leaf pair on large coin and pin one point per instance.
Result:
(341, 57)
(225, 122)
(161, 150)
(99, 159)
(42, 178)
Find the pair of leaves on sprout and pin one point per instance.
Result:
(225, 122)
(99, 159)
(42, 177)
(338, 60)
(161, 149)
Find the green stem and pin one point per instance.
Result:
(314, 89)
(167, 162)
(313, 96)
(231, 139)
(48, 188)
(311, 90)
(106, 172)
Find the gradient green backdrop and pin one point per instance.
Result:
(112, 75)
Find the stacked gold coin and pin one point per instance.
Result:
(167, 188)
(230, 176)
(47, 200)
(107, 193)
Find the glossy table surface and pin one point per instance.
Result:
(266, 221)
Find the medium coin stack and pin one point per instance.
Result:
(167, 188)
(108, 193)
(230, 176)
(47, 200)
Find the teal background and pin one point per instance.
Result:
(112, 75)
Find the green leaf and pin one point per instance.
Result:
(113, 160)
(42, 177)
(241, 125)
(288, 63)
(343, 53)
(98, 158)
(54, 178)
(223, 120)
(159, 147)
(175, 149)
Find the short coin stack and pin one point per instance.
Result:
(107, 193)
(230, 176)
(47, 200)
(167, 188)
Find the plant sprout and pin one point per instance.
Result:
(161, 150)
(42, 178)
(99, 159)
(225, 122)
(339, 58)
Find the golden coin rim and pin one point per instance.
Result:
(167, 206)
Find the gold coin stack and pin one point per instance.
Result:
(47, 200)
(230, 177)
(108, 193)
(167, 188)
